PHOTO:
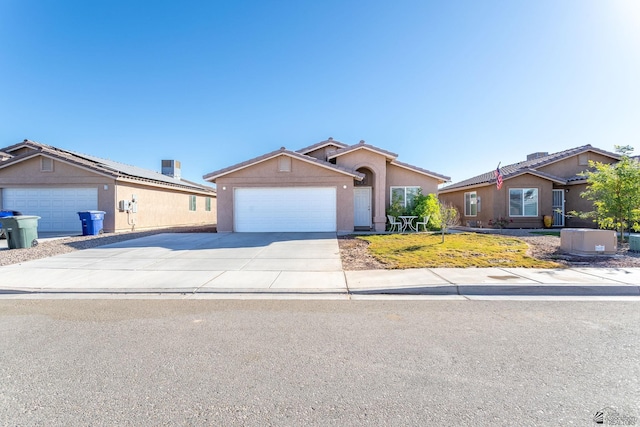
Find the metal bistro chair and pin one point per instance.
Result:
(423, 223)
(395, 224)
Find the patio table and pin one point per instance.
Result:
(407, 222)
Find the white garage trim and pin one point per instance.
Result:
(285, 209)
(57, 207)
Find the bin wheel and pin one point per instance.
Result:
(34, 243)
(101, 231)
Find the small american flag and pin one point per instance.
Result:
(498, 175)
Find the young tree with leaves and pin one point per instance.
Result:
(427, 206)
(615, 192)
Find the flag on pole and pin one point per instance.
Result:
(498, 175)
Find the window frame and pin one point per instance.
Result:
(192, 203)
(470, 194)
(207, 204)
(404, 196)
(522, 191)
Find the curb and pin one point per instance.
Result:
(459, 290)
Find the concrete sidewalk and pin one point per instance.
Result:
(281, 263)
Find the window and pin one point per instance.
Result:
(523, 202)
(192, 203)
(470, 204)
(207, 204)
(46, 164)
(284, 164)
(404, 195)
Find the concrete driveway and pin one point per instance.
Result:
(259, 262)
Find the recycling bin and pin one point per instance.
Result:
(3, 214)
(92, 222)
(22, 231)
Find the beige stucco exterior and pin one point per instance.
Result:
(358, 166)
(158, 205)
(494, 203)
(266, 175)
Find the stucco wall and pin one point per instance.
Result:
(398, 176)
(302, 174)
(158, 206)
(570, 167)
(27, 174)
(574, 202)
(377, 164)
(494, 203)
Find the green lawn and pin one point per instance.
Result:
(459, 250)
(546, 233)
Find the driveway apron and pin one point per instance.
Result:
(191, 262)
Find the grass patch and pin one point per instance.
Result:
(459, 251)
(546, 233)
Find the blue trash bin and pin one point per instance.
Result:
(92, 222)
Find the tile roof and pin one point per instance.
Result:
(363, 145)
(282, 151)
(528, 166)
(104, 166)
(329, 141)
(443, 178)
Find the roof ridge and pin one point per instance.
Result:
(111, 167)
(526, 165)
(215, 174)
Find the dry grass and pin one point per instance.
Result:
(459, 251)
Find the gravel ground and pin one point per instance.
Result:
(354, 252)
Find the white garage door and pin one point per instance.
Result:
(285, 209)
(57, 207)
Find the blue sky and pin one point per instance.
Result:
(451, 86)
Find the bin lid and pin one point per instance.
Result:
(18, 218)
(92, 212)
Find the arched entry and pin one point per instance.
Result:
(363, 200)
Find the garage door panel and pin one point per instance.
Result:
(57, 207)
(291, 209)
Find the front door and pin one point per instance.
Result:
(362, 207)
(558, 208)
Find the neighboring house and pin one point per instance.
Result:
(544, 184)
(329, 186)
(37, 179)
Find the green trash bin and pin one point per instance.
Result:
(22, 231)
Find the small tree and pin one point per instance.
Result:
(615, 192)
(449, 217)
(427, 206)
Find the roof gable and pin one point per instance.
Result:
(211, 177)
(330, 142)
(530, 166)
(363, 146)
(106, 167)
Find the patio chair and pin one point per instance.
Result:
(395, 224)
(423, 223)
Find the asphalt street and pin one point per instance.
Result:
(253, 362)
